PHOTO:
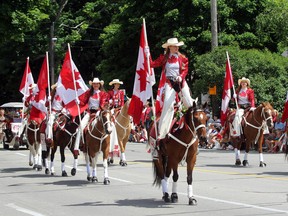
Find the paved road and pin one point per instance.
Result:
(219, 186)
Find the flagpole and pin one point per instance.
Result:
(76, 94)
(25, 93)
(148, 64)
(233, 81)
(49, 92)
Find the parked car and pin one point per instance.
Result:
(11, 131)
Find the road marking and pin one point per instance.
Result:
(243, 174)
(122, 180)
(240, 204)
(24, 210)
(21, 154)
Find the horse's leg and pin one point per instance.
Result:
(260, 150)
(45, 155)
(75, 161)
(237, 153)
(165, 182)
(94, 167)
(87, 160)
(247, 149)
(190, 167)
(174, 195)
(30, 155)
(52, 168)
(62, 153)
(122, 156)
(105, 163)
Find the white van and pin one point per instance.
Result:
(12, 113)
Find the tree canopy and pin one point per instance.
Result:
(104, 38)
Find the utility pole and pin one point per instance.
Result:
(214, 30)
(52, 42)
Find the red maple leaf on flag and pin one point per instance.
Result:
(142, 79)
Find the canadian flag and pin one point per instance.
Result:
(39, 110)
(71, 86)
(144, 79)
(27, 81)
(226, 95)
(285, 111)
(160, 94)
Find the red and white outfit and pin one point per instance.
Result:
(176, 65)
(246, 96)
(116, 98)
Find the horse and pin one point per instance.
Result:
(123, 128)
(253, 125)
(97, 139)
(34, 143)
(64, 135)
(180, 145)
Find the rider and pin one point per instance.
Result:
(96, 98)
(116, 96)
(245, 98)
(175, 67)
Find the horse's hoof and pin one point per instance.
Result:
(110, 161)
(64, 173)
(73, 172)
(30, 164)
(192, 201)
(35, 167)
(174, 198)
(238, 162)
(123, 163)
(89, 178)
(106, 181)
(47, 171)
(166, 197)
(52, 173)
(94, 179)
(39, 167)
(262, 164)
(245, 163)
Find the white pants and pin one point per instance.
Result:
(168, 107)
(84, 123)
(235, 128)
(49, 126)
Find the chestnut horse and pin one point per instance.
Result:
(97, 139)
(253, 125)
(34, 143)
(180, 145)
(123, 128)
(64, 135)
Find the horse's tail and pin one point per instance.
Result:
(159, 165)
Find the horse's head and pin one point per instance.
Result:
(198, 120)
(106, 116)
(267, 112)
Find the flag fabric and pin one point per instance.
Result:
(27, 81)
(160, 94)
(144, 79)
(39, 110)
(66, 87)
(226, 95)
(285, 111)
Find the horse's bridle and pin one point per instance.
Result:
(193, 132)
(93, 124)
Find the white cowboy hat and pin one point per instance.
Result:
(96, 80)
(114, 81)
(172, 42)
(243, 79)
